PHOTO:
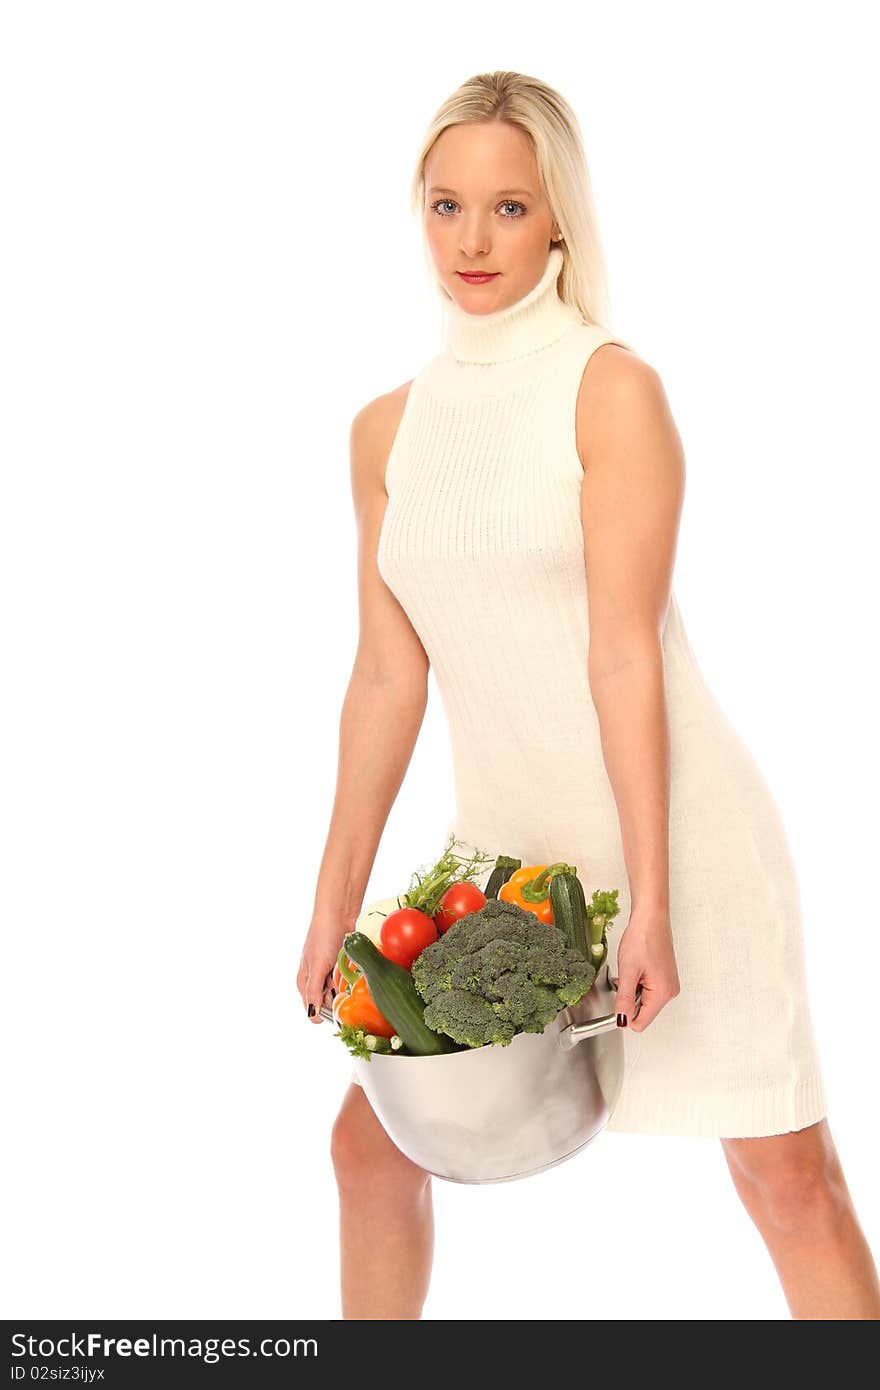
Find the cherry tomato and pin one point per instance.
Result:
(358, 1008)
(458, 900)
(405, 934)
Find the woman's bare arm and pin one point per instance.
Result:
(631, 502)
(382, 711)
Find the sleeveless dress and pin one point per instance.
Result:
(482, 545)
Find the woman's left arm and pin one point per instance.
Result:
(631, 502)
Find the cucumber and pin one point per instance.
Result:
(396, 997)
(585, 926)
(570, 909)
(504, 867)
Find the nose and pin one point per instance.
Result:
(475, 241)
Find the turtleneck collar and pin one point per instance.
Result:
(531, 323)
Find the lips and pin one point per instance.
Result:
(477, 277)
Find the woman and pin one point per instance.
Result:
(518, 505)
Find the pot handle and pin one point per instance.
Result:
(576, 1032)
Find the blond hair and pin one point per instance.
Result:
(551, 125)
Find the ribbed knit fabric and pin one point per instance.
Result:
(482, 545)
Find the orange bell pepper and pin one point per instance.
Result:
(358, 1009)
(529, 888)
(345, 972)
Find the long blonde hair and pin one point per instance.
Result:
(550, 123)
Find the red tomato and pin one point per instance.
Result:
(405, 934)
(458, 900)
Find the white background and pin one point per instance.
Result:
(209, 266)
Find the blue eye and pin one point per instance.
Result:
(449, 202)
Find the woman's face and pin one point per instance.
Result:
(485, 212)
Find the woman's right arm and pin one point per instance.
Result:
(381, 715)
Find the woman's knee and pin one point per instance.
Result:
(363, 1153)
(793, 1181)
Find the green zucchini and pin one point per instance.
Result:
(396, 997)
(504, 867)
(570, 909)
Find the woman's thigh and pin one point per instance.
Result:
(359, 1142)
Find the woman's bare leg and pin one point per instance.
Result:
(386, 1217)
(793, 1188)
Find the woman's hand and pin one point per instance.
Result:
(645, 957)
(315, 978)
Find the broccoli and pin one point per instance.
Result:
(467, 1019)
(498, 972)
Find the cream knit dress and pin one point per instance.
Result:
(483, 547)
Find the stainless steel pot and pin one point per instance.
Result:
(492, 1114)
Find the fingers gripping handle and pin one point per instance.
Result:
(577, 1032)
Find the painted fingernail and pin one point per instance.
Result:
(621, 1020)
(311, 1011)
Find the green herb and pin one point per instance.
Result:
(426, 890)
(600, 911)
(360, 1043)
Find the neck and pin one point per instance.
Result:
(533, 322)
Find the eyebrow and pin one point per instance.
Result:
(502, 192)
